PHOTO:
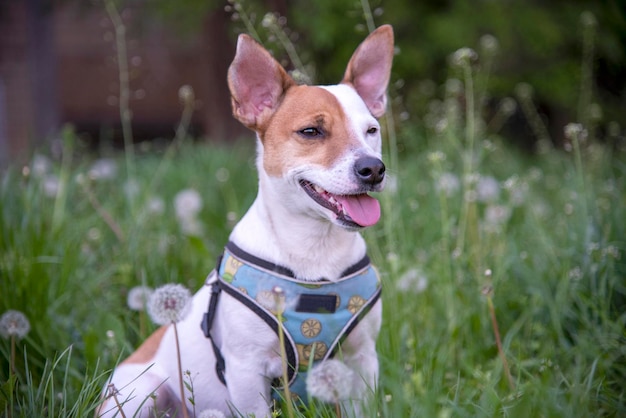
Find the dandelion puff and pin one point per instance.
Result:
(269, 20)
(51, 185)
(14, 324)
(191, 226)
(487, 189)
(187, 203)
(489, 43)
(169, 303)
(155, 205)
(138, 297)
(413, 280)
(211, 413)
(463, 56)
(330, 381)
(448, 184)
(103, 169)
(40, 165)
(574, 131)
(186, 94)
(496, 216)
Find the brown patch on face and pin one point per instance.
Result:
(285, 142)
(148, 349)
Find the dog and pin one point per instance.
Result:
(318, 158)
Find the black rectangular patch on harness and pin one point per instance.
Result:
(317, 303)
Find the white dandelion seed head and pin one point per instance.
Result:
(269, 20)
(14, 324)
(222, 174)
(103, 169)
(588, 19)
(191, 226)
(330, 381)
(497, 215)
(436, 157)
(574, 131)
(413, 280)
(211, 413)
(186, 95)
(155, 205)
(489, 43)
(138, 297)
(464, 56)
(487, 189)
(524, 91)
(51, 185)
(40, 165)
(187, 203)
(275, 300)
(508, 105)
(169, 303)
(448, 184)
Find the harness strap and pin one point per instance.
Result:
(209, 317)
(270, 320)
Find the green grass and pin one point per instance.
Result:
(555, 264)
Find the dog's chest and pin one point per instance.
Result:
(315, 317)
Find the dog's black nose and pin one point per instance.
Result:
(369, 170)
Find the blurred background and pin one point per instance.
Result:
(59, 62)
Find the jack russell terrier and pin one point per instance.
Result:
(319, 155)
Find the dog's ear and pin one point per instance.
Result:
(257, 83)
(370, 67)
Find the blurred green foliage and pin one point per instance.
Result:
(535, 42)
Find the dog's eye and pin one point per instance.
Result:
(311, 132)
(372, 130)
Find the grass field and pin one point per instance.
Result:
(469, 235)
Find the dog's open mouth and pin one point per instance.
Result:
(352, 210)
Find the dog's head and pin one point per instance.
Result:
(320, 146)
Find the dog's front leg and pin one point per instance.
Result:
(249, 390)
(249, 347)
(359, 353)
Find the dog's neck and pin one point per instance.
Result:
(313, 248)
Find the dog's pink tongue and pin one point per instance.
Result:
(362, 209)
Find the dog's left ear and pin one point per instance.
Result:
(369, 69)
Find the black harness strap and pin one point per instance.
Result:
(209, 317)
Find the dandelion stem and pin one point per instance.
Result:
(106, 217)
(12, 365)
(180, 373)
(586, 71)
(283, 356)
(113, 393)
(60, 200)
(468, 157)
(496, 332)
(367, 13)
(247, 21)
(124, 80)
(279, 309)
(290, 50)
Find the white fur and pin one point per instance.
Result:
(284, 226)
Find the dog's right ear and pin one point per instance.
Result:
(257, 83)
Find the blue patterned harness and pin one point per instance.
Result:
(316, 316)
